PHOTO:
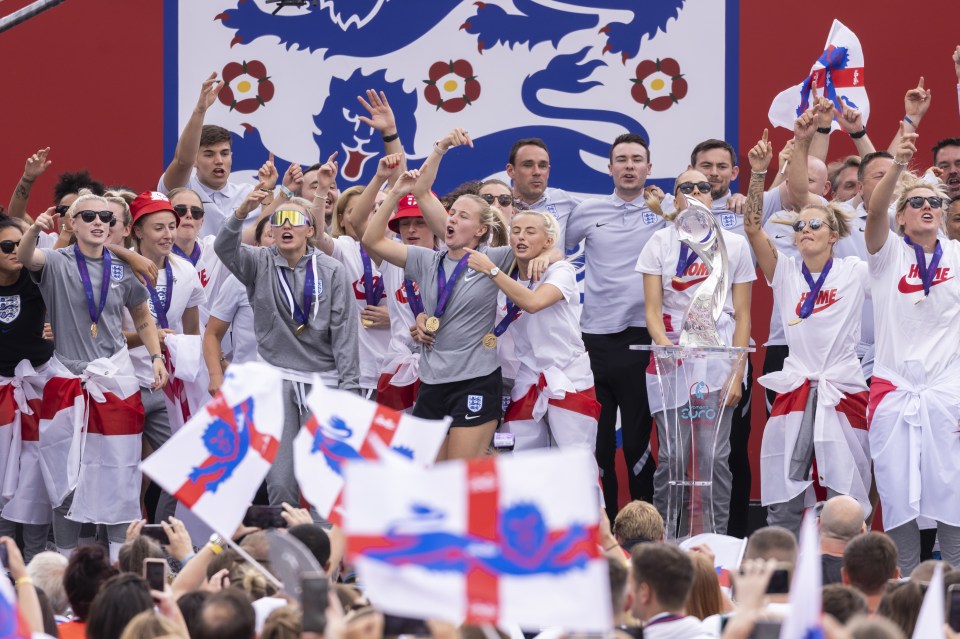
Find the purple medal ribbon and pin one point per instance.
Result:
(302, 315)
(664, 619)
(687, 257)
(161, 308)
(194, 256)
(810, 300)
(927, 272)
(373, 292)
(413, 298)
(445, 288)
(513, 311)
(95, 311)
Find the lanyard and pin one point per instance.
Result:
(160, 309)
(194, 256)
(927, 271)
(444, 287)
(811, 299)
(372, 287)
(95, 310)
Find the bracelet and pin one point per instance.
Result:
(391, 138)
(823, 129)
(183, 562)
(764, 172)
(436, 147)
(859, 134)
(900, 163)
(265, 189)
(286, 191)
(24, 581)
(909, 121)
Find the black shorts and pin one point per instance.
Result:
(470, 402)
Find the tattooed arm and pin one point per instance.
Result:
(34, 168)
(763, 248)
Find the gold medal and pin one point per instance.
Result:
(433, 324)
(366, 323)
(920, 299)
(489, 340)
(795, 321)
(300, 329)
(677, 279)
(93, 330)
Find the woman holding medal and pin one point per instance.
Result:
(553, 397)
(87, 321)
(671, 272)
(304, 317)
(820, 412)
(915, 389)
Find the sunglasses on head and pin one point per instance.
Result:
(502, 200)
(196, 212)
(9, 246)
(61, 209)
(917, 201)
(89, 216)
(814, 223)
(293, 216)
(687, 187)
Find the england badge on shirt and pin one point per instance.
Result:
(728, 220)
(9, 308)
(649, 218)
(474, 403)
(116, 272)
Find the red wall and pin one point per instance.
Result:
(85, 78)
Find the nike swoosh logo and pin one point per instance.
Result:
(817, 309)
(862, 229)
(906, 287)
(114, 286)
(599, 224)
(471, 276)
(778, 237)
(469, 417)
(682, 286)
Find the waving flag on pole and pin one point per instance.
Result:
(345, 427)
(931, 619)
(486, 541)
(837, 75)
(12, 623)
(803, 620)
(216, 462)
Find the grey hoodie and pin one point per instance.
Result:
(330, 341)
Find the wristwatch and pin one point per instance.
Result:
(216, 543)
(159, 356)
(287, 192)
(494, 272)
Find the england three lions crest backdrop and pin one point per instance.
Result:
(576, 74)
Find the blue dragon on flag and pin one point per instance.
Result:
(330, 439)
(227, 439)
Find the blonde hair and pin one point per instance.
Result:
(549, 223)
(341, 209)
(251, 581)
(85, 195)
(835, 217)
(283, 623)
(120, 199)
(148, 625)
(492, 218)
(183, 189)
(909, 181)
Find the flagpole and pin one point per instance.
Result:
(256, 564)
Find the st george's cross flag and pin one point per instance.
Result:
(216, 462)
(493, 540)
(803, 620)
(344, 427)
(838, 75)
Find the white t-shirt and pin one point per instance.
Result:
(373, 341)
(782, 237)
(660, 257)
(855, 245)
(828, 338)
(929, 331)
(187, 293)
(217, 205)
(231, 304)
(550, 337)
(401, 315)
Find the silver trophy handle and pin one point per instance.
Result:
(698, 229)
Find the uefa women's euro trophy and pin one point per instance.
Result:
(693, 381)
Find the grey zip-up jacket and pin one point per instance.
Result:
(330, 341)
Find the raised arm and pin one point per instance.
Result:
(382, 119)
(433, 212)
(783, 161)
(185, 156)
(916, 103)
(374, 239)
(35, 166)
(267, 177)
(878, 219)
(820, 144)
(763, 248)
(529, 301)
(388, 168)
(27, 253)
(795, 194)
(851, 121)
(228, 246)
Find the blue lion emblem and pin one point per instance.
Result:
(525, 545)
(227, 439)
(330, 440)
(832, 59)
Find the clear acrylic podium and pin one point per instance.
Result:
(693, 390)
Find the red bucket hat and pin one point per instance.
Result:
(151, 202)
(407, 207)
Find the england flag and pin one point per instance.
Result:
(803, 619)
(494, 540)
(215, 464)
(837, 75)
(345, 427)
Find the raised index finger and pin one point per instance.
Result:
(766, 132)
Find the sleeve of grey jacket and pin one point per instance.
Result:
(240, 259)
(343, 331)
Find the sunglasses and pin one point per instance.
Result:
(9, 246)
(89, 216)
(196, 212)
(917, 201)
(814, 223)
(294, 217)
(61, 209)
(502, 200)
(687, 187)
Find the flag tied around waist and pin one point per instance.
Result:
(344, 427)
(838, 75)
(486, 541)
(216, 462)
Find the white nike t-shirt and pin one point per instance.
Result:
(401, 315)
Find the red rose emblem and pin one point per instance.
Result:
(658, 85)
(451, 86)
(246, 86)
